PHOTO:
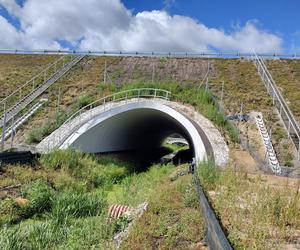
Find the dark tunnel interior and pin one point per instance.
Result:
(136, 136)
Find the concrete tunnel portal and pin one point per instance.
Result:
(140, 126)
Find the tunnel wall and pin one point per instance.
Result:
(207, 134)
(110, 131)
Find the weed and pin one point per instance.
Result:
(39, 196)
(208, 174)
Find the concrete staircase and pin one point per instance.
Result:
(21, 104)
(270, 152)
(16, 124)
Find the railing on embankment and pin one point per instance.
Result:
(286, 114)
(152, 53)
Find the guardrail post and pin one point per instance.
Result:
(155, 93)
(299, 148)
(12, 132)
(3, 132)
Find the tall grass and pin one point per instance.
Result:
(208, 174)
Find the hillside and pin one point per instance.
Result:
(257, 210)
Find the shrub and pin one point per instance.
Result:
(77, 204)
(62, 159)
(208, 174)
(40, 197)
(83, 101)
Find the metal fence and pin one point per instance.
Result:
(288, 119)
(151, 53)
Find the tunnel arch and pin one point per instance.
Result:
(203, 137)
(137, 125)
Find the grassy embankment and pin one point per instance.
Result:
(242, 85)
(255, 215)
(67, 195)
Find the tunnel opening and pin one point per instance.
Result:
(141, 137)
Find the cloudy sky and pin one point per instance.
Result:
(151, 25)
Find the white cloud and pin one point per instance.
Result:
(108, 25)
(10, 37)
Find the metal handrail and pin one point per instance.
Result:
(278, 93)
(280, 98)
(151, 53)
(266, 76)
(32, 79)
(123, 95)
(103, 100)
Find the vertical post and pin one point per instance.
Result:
(3, 132)
(58, 99)
(242, 105)
(57, 105)
(299, 149)
(206, 84)
(20, 94)
(222, 93)
(33, 84)
(152, 71)
(104, 72)
(12, 132)
(280, 110)
(289, 127)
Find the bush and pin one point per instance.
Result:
(208, 174)
(77, 204)
(62, 159)
(40, 197)
(83, 101)
(36, 135)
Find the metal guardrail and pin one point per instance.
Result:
(288, 119)
(157, 54)
(68, 127)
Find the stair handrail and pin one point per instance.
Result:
(279, 96)
(33, 78)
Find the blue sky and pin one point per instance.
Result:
(263, 25)
(278, 16)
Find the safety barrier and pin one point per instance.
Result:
(155, 54)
